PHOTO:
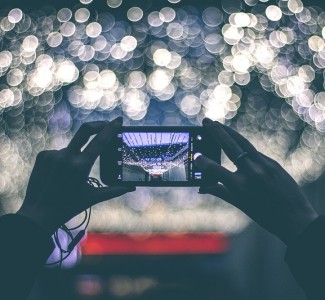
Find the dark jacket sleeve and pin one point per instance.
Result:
(24, 248)
(306, 259)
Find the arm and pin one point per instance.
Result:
(306, 259)
(261, 188)
(24, 249)
(57, 191)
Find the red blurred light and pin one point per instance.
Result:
(155, 243)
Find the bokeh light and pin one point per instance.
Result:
(258, 67)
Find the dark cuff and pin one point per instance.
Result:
(306, 259)
(24, 250)
(20, 230)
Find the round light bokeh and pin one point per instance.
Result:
(258, 67)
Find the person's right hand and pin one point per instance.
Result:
(260, 187)
(58, 189)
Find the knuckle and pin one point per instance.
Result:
(259, 172)
(41, 155)
(272, 165)
(67, 161)
(75, 164)
(61, 156)
(44, 155)
(84, 127)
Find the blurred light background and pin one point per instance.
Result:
(257, 66)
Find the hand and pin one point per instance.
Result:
(58, 189)
(260, 187)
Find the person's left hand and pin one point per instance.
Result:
(58, 189)
(259, 187)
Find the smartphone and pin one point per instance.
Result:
(156, 156)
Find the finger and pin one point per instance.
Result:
(218, 190)
(84, 133)
(212, 169)
(269, 163)
(107, 193)
(243, 142)
(247, 147)
(98, 144)
(41, 168)
(221, 136)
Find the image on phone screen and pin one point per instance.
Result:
(156, 156)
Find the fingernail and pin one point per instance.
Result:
(196, 155)
(201, 164)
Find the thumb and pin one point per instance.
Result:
(107, 193)
(220, 191)
(212, 170)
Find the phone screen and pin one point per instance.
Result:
(155, 156)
